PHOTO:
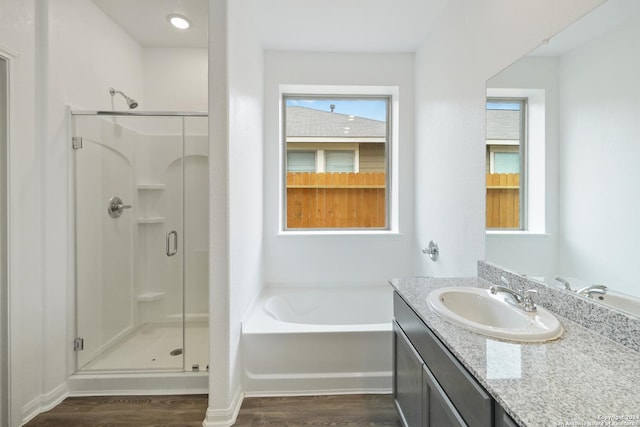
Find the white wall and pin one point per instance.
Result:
(333, 258)
(18, 43)
(4, 306)
(599, 94)
(236, 98)
(471, 42)
(246, 92)
(219, 348)
(89, 54)
(175, 79)
(533, 253)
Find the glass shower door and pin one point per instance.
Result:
(129, 174)
(196, 242)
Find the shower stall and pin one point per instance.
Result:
(141, 242)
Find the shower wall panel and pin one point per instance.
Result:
(158, 176)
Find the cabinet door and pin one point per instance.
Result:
(502, 418)
(438, 410)
(407, 383)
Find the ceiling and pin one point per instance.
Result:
(344, 25)
(601, 20)
(146, 21)
(309, 25)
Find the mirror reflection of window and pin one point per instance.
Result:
(504, 360)
(505, 148)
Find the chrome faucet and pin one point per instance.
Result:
(593, 289)
(524, 302)
(564, 281)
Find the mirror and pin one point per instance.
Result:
(589, 158)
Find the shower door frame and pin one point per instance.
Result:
(5, 360)
(75, 369)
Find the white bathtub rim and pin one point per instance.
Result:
(304, 328)
(260, 320)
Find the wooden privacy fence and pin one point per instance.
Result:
(503, 200)
(336, 200)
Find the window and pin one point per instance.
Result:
(336, 162)
(301, 161)
(340, 161)
(505, 157)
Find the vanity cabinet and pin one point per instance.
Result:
(407, 379)
(431, 388)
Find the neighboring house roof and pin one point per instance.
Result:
(503, 125)
(308, 122)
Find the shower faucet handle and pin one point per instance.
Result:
(116, 207)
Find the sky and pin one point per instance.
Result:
(368, 108)
(501, 105)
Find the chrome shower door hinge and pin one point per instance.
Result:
(78, 344)
(76, 142)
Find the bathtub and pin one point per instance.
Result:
(298, 341)
(620, 301)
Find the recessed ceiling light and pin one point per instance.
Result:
(179, 21)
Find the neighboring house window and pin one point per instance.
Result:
(505, 158)
(301, 161)
(336, 162)
(340, 161)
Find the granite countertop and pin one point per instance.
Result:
(580, 379)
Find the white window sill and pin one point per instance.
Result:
(341, 233)
(524, 233)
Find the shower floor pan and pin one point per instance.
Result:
(156, 347)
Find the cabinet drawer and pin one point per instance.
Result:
(471, 400)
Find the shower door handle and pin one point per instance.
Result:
(172, 243)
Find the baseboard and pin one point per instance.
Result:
(44, 402)
(316, 392)
(138, 384)
(225, 417)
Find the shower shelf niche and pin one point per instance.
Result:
(154, 220)
(151, 198)
(150, 296)
(151, 187)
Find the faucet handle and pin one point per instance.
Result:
(528, 302)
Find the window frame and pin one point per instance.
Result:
(388, 93)
(523, 101)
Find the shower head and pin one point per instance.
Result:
(130, 102)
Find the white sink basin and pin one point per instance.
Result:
(480, 311)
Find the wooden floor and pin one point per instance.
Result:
(343, 410)
(187, 411)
